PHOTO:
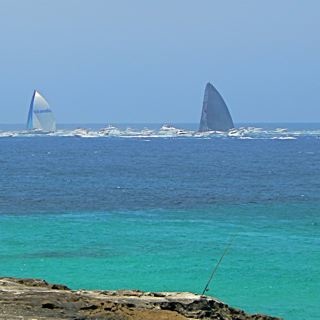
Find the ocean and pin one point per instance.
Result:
(154, 208)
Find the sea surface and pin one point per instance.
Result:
(153, 208)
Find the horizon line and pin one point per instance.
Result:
(168, 122)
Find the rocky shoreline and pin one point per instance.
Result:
(33, 299)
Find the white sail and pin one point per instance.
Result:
(40, 115)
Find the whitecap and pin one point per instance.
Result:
(169, 131)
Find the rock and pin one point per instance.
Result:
(36, 299)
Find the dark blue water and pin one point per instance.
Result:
(66, 174)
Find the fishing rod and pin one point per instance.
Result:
(217, 265)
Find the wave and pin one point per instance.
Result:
(167, 131)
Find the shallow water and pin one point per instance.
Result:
(114, 213)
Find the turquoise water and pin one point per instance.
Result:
(157, 214)
(268, 269)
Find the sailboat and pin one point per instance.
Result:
(215, 114)
(40, 116)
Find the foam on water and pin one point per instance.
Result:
(167, 131)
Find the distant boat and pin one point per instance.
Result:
(40, 116)
(167, 129)
(215, 114)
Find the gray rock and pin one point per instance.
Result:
(36, 299)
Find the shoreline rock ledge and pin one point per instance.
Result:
(33, 299)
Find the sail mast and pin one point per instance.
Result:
(30, 114)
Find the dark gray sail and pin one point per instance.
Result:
(215, 114)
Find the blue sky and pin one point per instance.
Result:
(148, 61)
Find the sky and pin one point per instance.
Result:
(146, 61)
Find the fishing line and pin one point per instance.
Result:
(217, 265)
